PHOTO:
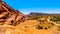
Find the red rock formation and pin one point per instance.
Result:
(8, 15)
(0, 0)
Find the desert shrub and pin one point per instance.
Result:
(39, 27)
(46, 28)
(57, 18)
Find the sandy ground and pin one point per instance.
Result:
(30, 31)
(22, 29)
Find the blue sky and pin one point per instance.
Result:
(27, 6)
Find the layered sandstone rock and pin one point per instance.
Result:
(9, 15)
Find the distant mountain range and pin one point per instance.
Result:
(38, 14)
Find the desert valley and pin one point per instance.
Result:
(14, 22)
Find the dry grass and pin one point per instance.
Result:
(22, 29)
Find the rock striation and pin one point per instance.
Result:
(9, 16)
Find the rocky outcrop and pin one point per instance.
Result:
(9, 16)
